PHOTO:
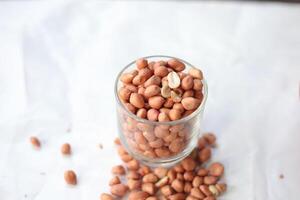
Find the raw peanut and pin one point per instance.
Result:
(165, 110)
(117, 141)
(198, 95)
(166, 190)
(202, 172)
(153, 80)
(163, 117)
(221, 187)
(190, 103)
(133, 165)
(179, 176)
(166, 91)
(187, 187)
(178, 106)
(202, 143)
(189, 176)
(119, 189)
(173, 80)
(141, 91)
(105, 196)
(134, 184)
(187, 82)
(131, 87)
(35, 142)
(161, 132)
(152, 114)
(149, 154)
(144, 170)
(204, 189)
(133, 175)
(134, 72)
(168, 103)
(197, 84)
(162, 152)
(197, 181)
(176, 128)
(145, 72)
(204, 154)
(177, 196)
(149, 188)
(188, 93)
(178, 168)
(151, 65)
(138, 80)
(174, 114)
(210, 198)
(130, 107)
(115, 180)
(152, 198)
(118, 170)
(162, 182)
(126, 78)
(216, 169)
(156, 143)
(197, 193)
(141, 63)
(169, 138)
(66, 149)
(160, 172)
(209, 180)
(164, 81)
(191, 198)
(160, 63)
(150, 178)
(142, 113)
(149, 135)
(124, 94)
(176, 95)
(161, 71)
(137, 100)
(187, 113)
(213, 190)
(138, 195)
(70, 177)
(121, 151)
(176, 145)
(176, 64)
(177, 185)
(156, 102)
(151, 91)
(139, 138)
(210, 138)
(188, 164)
(196, 73)
(172, 175)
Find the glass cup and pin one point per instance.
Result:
(158, 143)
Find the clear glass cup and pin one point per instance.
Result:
(158, 143)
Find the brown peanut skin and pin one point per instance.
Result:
(119, 189)
(105, 196)
(70, 177)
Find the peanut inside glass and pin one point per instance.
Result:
(158, 143)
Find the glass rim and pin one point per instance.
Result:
(175, 122)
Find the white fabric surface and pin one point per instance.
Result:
(57, 71)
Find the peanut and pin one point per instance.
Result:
(166, 190)
(160, 172)
(174, 114)
(151, 91)
(161, 71)
(142, 113)
(173, 80)
(35, 142)
(150, 178)
(115, 180)
(70, 177)
(188, 164)
(156, 102)
(176, 65)
(177, 196)
(210, 180)
(196, 73)
(152, 114)
(66, 149)
(141, 63)
(190, 103)
(197, 181)
(138, 195)
(204, 154)
(124, 94)
(134, 184)
(187, 82)
(153, 80)
(137, 100)
(197, 84)
(216, 169)
(197, 193)
(149, 188)
(118, 170)
(177, 185)
(127, 78)
(119, 189)
(105, 196)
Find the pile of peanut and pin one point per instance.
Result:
(160, 91)
(188, 180)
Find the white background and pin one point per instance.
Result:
(58, 62)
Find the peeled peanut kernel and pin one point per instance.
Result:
(156, 102)
(35, 142)
(138, 80)
(174, 114)
(173, 80)
(153, 80)
(196, 73)
(187, 82)
(204, 154)
(152, 114)
(118, 170)
(188, 164)
(166, 91)
(134, 184)
(213, 190)
(177, 196)
(141, 63)
(162, 182)
(105, 196)
(190, 103)
(176, 96)
(176, 64)
(138, 195)
(188, 93)
(209, 180)
(137, 100)
(166, 190)
(163, 117)
(197, 181)
(151, 91)
(216, 169)
(204, 189)
(160, 172)
(197, 85)
(115, 180)
(150, 178)
(127, 78)
(221, 187)
(142, 113)
(149, 188)
(70, 177)
(124, 94)
(161, 71)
